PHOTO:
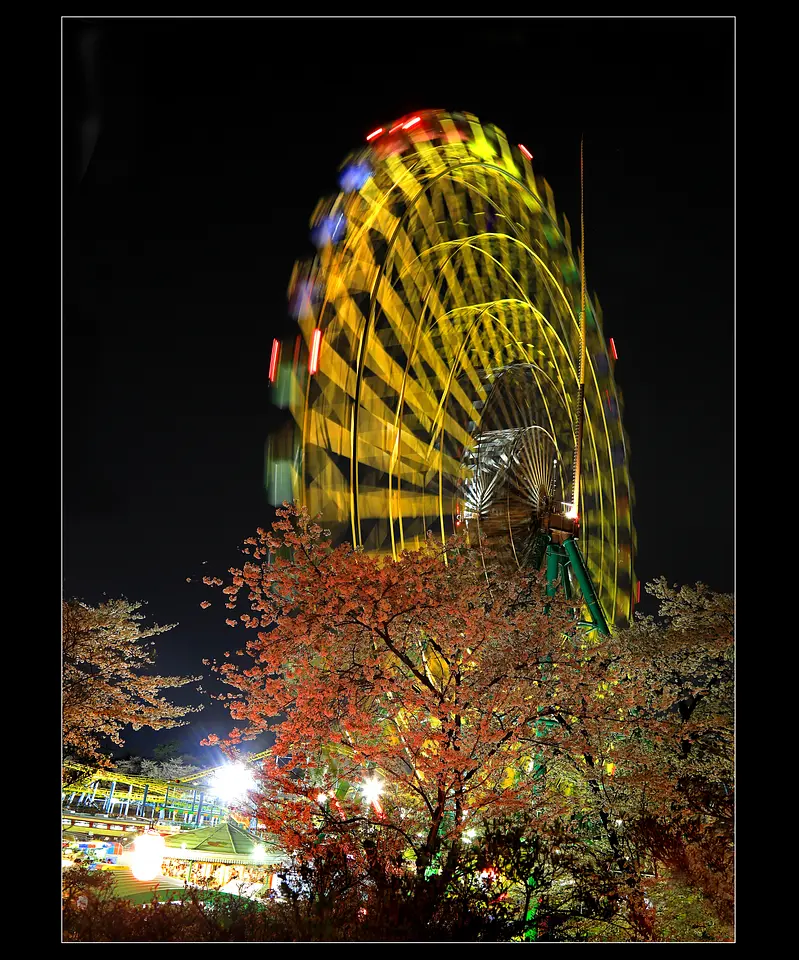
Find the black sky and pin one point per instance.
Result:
(194, 154)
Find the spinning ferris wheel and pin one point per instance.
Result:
(435, 381)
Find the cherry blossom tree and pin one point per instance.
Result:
(107, 681)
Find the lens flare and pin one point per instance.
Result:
(372, 790)
(148, 854)
(231, 783)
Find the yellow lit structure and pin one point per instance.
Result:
(435, 382)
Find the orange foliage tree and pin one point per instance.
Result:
(106, 686)
(415, 702)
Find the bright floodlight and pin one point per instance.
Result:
(148, 852)
(231, 783)
(371, 790)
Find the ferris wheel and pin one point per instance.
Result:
(434, 384)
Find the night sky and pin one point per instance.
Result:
(194, 154)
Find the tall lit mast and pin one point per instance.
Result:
(575, 507)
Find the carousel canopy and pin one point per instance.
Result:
(128, 887)
(224, 843)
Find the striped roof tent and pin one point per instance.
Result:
(128, 887)
(224, 843)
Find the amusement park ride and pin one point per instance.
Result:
(107, 802)
(450, 375)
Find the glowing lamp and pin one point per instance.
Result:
(371, 790)
(316, 343)
(374, 133)
(525, 151)
(354, 177)
(300, 299)
(273, 360)
(329, 230)
(148, 853)
(232, 782)
(613, 349)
